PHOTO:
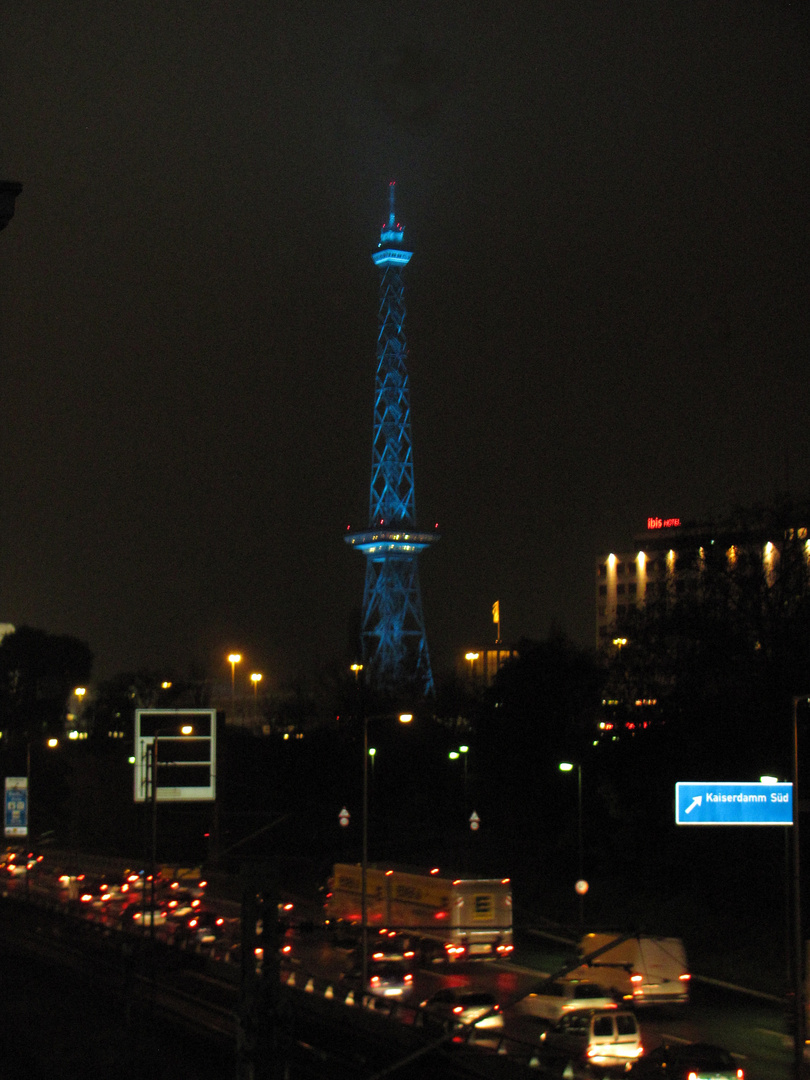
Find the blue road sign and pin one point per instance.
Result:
(16, 823)
(733, 804)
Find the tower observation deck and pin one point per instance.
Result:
(395, 652)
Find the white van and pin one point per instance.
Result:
(638, 970)
(595, 1038)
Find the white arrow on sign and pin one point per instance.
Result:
(698, 799)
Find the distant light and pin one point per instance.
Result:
(234, 658)
(565, 766)
(80, 691)
(463, 749)
(471, 656)
(453, 755)
(769, 779)
(53, 742)
(372, 750)
(405, 718)
(186, 729)
(165, 686)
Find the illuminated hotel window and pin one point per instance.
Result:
(632, 588)
(620, 590)
(603, 590)
(619, 567)
(602, 571)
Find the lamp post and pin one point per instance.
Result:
(404, 718)
(233, 659)
(256, 678)
(186, 729)
(569, 766)
(472, 657)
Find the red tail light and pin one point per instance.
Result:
(684, 978)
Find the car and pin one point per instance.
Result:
(202, 927)
(554, 999)
(604, 1038)
(386, 979)
(687, 1061)
(136, 916)
(453, 1009)
(389, 945)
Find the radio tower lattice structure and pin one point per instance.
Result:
(395, 651)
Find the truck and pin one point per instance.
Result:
(641, 971)
(448, 918)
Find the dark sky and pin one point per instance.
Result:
(607, 304)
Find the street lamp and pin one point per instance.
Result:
(256, 678)
(233, 659)
(185, 729)
(472, 657)
(569, 766)
(404, 718)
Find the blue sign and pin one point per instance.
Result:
(733, 804)
(16, 806)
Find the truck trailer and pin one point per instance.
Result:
(450, 919)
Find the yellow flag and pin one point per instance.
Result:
(496, 611)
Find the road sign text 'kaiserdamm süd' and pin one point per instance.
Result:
(725, 803)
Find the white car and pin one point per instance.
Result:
(552, 1000)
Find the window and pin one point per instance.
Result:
(632, 588)
(603, 590)
(620, 589)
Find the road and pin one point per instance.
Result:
(752, 1028)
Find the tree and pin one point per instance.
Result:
(38, 673)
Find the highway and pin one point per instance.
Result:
(206, 992)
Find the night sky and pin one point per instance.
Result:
(607, 305)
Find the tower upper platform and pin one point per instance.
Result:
(389, 252)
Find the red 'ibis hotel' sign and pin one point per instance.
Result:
(663, 523)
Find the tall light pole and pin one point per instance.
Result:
(256, 678)
(233, 659)
(186, 730)
(472, 657)
(569, 766)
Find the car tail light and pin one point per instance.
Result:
(684, 978)
(692, 1076)
(375, 979)
(192, 923)
(86, 897)
(458, 1009)
(740, 1074)
(635, 978)
(220, 921)
(409, 978)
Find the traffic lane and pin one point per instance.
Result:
(753, 1029)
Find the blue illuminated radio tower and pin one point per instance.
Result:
(395, 652)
